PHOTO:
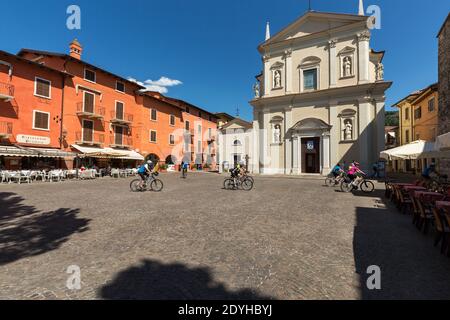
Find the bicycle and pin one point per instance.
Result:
(366, 186)
(235, 183)
(151, 183)
(333, 181)
(244, 175)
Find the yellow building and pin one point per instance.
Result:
(418, 120)
(426, 114)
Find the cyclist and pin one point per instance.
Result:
(144, 171)
(430, 172)
(337, 170)
(184, 169)
(356, 174)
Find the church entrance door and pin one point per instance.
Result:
(311, 155)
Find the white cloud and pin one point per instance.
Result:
(160, 85)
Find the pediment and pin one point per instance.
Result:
(315, 22)
(311, 124)
(346, 50)
(277, 65)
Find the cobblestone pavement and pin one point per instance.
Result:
(286, 239)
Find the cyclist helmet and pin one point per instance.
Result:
(356, 164)
(149, 162)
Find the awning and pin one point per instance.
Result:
(53, 153)
(107, 153)
(415, 150)
(443, 142)
(12, 151)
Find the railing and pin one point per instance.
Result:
(124, 143)
(6, 128)
(96, 138)
(97, 112)
(121, 118)
(6, 90)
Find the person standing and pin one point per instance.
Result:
(184, 169)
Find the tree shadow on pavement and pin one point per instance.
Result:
(25, 231)
(153, 280)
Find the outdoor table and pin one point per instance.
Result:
(414, 188)
(428, 197)
(443, 205)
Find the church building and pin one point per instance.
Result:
(320, 97)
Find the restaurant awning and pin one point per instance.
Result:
(53, 153)
(415, 150)
(443, 142)
(12, 151)
(107, 153)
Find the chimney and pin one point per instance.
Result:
(76, 49)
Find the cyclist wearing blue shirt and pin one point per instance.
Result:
(145, 170)
(337, 170)
(429, 171)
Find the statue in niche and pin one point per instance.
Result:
(347, 66)
(348, 131)
(277, 134)
(256, 90)
(277, 79)
(380, 71)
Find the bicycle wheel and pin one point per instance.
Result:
(329, 182)
(247, 184)
(157, 185)
(250, 178)
(367, 186)
(346, 187)
(135, 185)
(228, 184)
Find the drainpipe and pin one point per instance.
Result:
(62, 114)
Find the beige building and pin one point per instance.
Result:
(320, 98)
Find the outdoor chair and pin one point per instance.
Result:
(115, 173)
(425, 218)
(404, 201)
(447, 219)
(6, 177)
(442, 230)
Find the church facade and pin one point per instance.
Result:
(320, 97)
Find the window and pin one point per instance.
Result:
(90, 75)
(407, 114)
(237, 143)
(431, 105)
(120, 86)
(187, 125)
(418, 113)
(417, 136)
(187, 110)
(209, 133)
(310, 79)
(199, 129)
(88, 130)
(153, 115)
(41, 120)
(407, 140)
(89, 102)
(171, 139)
(199, 146)
(42, 88)
(172, 120)
(119, 110)
(153, 137)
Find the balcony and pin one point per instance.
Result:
(6, 129)
(96, 112)
(118, 141)
(92, 139)
(121, 118)
(6, 91)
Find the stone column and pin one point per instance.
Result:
(332, 62)
(295, 153)
(364, 142)
(267, 74)
(380, 120)
(363, 56)
(264, 143)
(256, 135)
(326, 152)
(335, 134)
(288, 70)
(287, 141)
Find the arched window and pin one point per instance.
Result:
(153, 157)
(237, 143)
(171, 159)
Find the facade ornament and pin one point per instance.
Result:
(348, 131)
(288, 53)
(266, 57)
(347, 66)
(256, 90)
(380, 72)
(364, 36)
(277, 134)
(277, 79)
(332, 43)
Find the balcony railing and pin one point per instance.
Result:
(96, 139)
(6, 91)
(123, 142)
(97, 112)
(124, 118)
(6, 129)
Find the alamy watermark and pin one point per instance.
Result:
(374, 280)
(74, 280)
(73, 22)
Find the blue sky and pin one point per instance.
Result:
(210, 46)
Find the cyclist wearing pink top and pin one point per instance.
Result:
(356, 174)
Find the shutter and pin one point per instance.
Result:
(118, 137)
(41, 120)
(43, 88)
(89, 99)
(119, 110)
(88, 131)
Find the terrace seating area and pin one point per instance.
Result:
(428, 206)
(50, 176)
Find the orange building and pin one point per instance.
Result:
(31, 96)
(102, 118)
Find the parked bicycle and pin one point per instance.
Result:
(149, 184)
